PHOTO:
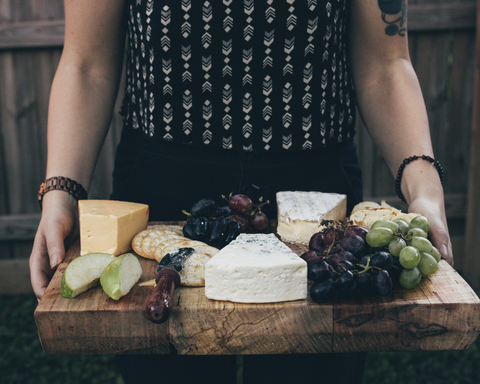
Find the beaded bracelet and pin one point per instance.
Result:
(398, 179)
(64, 184)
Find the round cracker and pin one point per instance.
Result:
(137, 241)
(174, 228)
(161, 240)
(193, 270)
(157, 253)
(149, 237)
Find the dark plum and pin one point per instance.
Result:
(365, 283)
(222, 211)
(329, 236)
(189, 228)
(311, 257)
(382, 282)
(337, 248)
(382, 260)
(338, 257)
(259, 222)
(217, 232)
(233, 229)
(203, 208)
(354, 244)
(240, 203)
(201, 229)
(321, 291)
(319, 271)
(356, 230)
(243, 221)
(346, 284)
(317, 242)
(345, 266)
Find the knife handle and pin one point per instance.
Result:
(159, 305)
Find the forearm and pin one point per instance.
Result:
(80, 111)
(391, 104)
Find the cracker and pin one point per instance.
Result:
(137, 241)
(193, 269)
(157, 253)
(170, 227)
(145, 245)
(161, 240)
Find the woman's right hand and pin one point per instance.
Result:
(58, 228)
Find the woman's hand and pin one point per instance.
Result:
(435, 212)
(58, 228)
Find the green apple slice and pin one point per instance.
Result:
(121, 275)
(83, 273)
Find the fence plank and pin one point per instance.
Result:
(19, 227)
(429, 17)
(32, 34)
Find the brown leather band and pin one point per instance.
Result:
(63, 184)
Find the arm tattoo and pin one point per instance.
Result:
(397, 24)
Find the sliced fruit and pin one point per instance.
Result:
(83, 273)
(121, 275)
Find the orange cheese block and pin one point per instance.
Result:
(108, 226)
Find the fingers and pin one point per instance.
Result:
(438, 232)
(40, 270)
(441, 240)
(55, 245)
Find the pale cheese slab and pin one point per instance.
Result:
(256, 268)
(108, 226)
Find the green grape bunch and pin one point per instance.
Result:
(408, 243)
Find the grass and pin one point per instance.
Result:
(23, 361)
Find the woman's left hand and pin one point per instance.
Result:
(435, 212)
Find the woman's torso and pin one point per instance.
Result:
(264, 75)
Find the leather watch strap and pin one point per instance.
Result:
(63, 184)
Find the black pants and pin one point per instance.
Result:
(170, 178)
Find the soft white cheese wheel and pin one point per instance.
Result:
(300, 213)
(256, 268)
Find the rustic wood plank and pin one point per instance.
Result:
(399, 322)
(32, 34)
(121, 328)
(429, 17)
(471, 259)
(425, 318)
(19, 227)
(460, 98)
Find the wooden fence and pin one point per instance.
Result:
(442, 36)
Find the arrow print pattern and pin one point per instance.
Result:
(227, 44)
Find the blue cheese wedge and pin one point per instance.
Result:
(300, 213)
(256, 268)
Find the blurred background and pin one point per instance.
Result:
(442, 39)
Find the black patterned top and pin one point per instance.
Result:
(251, 75)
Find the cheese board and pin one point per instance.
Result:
(441, 313)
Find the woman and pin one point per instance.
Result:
(226, 96)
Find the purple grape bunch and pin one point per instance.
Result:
(219, 224)
(341, 262)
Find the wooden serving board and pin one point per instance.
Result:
(442, 313)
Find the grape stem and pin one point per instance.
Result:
(366, 267)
